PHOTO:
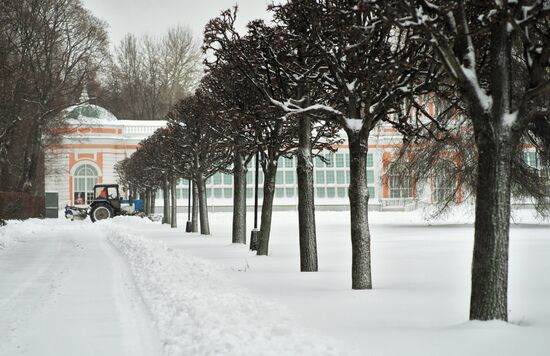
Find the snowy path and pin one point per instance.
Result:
(64, 290)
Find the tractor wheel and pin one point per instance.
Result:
(101, 212)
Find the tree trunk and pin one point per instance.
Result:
(239, 198)
(306, 206)
(29, 175)
(492, 225)
(146, 197)
(267, 208)
(166, 198)
(203, 208)
(358, 200)
(195, 209)
(174, 220)
(152, 201)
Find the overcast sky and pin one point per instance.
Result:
(156, 16)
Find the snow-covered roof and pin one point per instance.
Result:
(89, 114)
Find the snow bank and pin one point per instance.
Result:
(198, 312)
(16, 229)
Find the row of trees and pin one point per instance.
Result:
(322, 66)
(361, 62)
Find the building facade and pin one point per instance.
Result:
(95, 140)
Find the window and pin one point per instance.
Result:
(279, 192)
(217, 179)
(371, 192)
(330, 158)
(320, 175)
(330, 177)
(370, 177)
(444, 182)
(319, 162)
(217, 192)
(339, 160)
(320, 192)
(289, 192)
(289, 162)
(341, 177)
(530, 159)
(289, 177)
(85, 177)
(400, 183)
(279, 177)
(370, 160)
(227, 179)
(228, 193)
(341, 192)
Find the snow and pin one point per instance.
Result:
(508, 119)
(354, 124)
(485, 100)
(129, 286)
(65, 291)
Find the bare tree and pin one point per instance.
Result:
(49, 49)
(476, 44)
(149, 75)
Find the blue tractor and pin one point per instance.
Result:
(106, 204)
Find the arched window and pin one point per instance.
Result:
(400, 182)
(85, 177)
(444, 182)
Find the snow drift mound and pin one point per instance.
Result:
(199, 313)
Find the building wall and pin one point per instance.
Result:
(102, 145)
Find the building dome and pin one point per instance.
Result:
(88, 113)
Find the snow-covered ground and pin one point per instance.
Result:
(130, 287)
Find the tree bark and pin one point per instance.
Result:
(174, 217)
(306, 206)
(166, 197)
(203, 208)
(492, 225)
(239, 198)
(195, 209)
(267, 207)
(29, 175)
(152, 201)
(147, 197)
(358, 199)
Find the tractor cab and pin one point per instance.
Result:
(106, 203)
(107, 193)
